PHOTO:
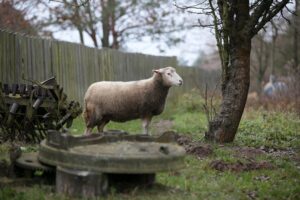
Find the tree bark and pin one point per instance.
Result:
(235, 87)
(224, 127)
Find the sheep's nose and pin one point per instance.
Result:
(180, 82)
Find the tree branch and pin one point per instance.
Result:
(286, 19)
(262, 14)
(259, 11)
(196, 6)
(206, 25)
(82, 2)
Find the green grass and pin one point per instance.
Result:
(272, 129)
(197, 180)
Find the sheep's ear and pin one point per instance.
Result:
(157, 71)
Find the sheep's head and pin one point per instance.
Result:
(169, 76)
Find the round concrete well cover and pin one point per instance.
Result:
(117, 155)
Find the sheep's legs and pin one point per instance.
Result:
(101, 126)
(88, 131)
(146, 123)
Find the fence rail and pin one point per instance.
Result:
(76, 66)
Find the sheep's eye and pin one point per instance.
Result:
(169, 74)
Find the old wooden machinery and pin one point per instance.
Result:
(27, 111)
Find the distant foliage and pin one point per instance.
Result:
(194, 101)
(13, 19)
(191, 102)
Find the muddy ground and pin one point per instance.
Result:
(245, 156)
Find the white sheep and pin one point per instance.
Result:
(123, 101)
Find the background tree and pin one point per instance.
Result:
(73, 14)
(296, 24)
(13, 19)
(260, 59)
(235, 23)
(25, 16)
(111, 23)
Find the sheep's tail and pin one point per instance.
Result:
(88, 115)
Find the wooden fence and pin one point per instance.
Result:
(76, 66)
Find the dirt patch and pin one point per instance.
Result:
(197, 149)
(286, 152)
(247, 152)
(239, 166)
(252, 153)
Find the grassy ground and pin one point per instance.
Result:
(271, 139)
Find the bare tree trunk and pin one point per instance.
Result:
(236, 84)
(92, 32)
(78, 22)
(112, 8)
(274, 40)
(261, 54)
(115, 43)
(94, 37)
(263, 63)
(296, 66)
(105, 23)
(224, 127)
(80, 30)
(261, 67)
(234, 29)
(296, 32)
